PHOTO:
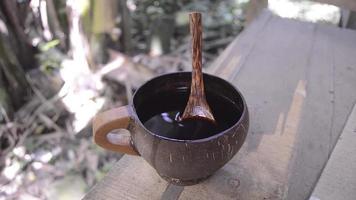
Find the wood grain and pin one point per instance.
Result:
(132, 178)
(197, 106)
(338, 180)
(296, 87)
(229, 63)
(272, 79)
(313, 139)
(103, 123)
(335, 56)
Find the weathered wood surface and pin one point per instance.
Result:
(338, 180)
(298, 81)
(131, 178)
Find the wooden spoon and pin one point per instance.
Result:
(197, 106)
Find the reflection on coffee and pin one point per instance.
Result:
(160, 115)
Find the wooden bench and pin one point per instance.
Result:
(298, 79)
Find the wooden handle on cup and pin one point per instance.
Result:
(104, 123)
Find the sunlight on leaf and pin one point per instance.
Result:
(49, 45)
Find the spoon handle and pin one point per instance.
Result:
(197, 106)
(197, 87)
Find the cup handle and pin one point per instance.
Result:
(105, 122)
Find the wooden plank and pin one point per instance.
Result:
(102, 191)
(339, 46)
(228, 63)
(314, 143)
(132, 178)
(285, 162)
(338, 180)
(273, 81)
(344, 60)
(172, 192)
(298, 80)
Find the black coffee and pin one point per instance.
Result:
(160, 115)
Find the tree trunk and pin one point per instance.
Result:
(125, 25)
(162, 30)
(13, 85)
(23, 49)
(54, 23)
(254, 8)
(104, 14)
(79, 45)
(6, 108)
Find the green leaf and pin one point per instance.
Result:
(47, 46)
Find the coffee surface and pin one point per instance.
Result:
(160, 114)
